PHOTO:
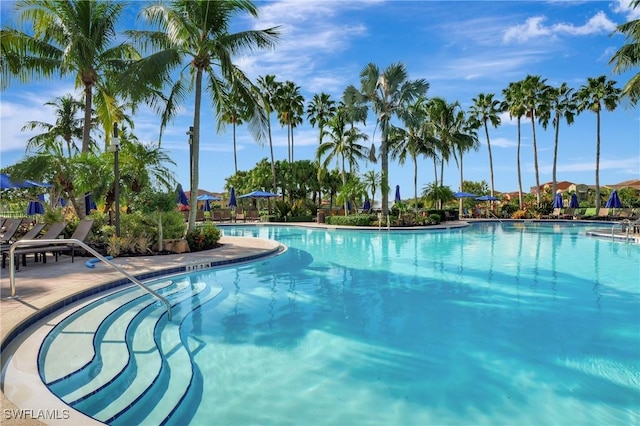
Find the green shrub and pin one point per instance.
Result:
(434, 219)
(173, 225)
(203, 237)
(352, 220)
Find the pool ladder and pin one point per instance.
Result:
(36, 243)
(625, 225)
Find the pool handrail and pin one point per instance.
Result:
(36, 243)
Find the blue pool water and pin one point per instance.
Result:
(491, 324)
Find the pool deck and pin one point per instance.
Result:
(42, 285)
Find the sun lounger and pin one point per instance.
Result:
(554, 215)
(30, 235)
(240, 215)
(81, 233)
(589, 213)
(603, 214)
(569, 213)
(10, 228)
(53, 232)
(252, 216)
(225, 215)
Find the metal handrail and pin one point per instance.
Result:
(37, 243)
(625, 225)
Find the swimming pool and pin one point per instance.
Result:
(492, 324)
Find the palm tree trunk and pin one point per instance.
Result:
(486, 132)
(235, 152)
(415, 184)
(555, 156)
(86, 136)
(535, 157)
(597, 161)
(384, 162)
(435, 171)
(344, 182)
(195, 160)
(520, 198)
(461, 185)
(273, 162)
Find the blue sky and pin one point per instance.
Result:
(460, 48)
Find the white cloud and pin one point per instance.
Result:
(534, 27)
(503, 143)
(624, 7)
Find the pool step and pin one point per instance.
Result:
(111, 333)
(175, 376)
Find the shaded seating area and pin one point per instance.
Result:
(29, 235)
(81, 233)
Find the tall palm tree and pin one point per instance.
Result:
(320, 110)
(560, 105)
(232, 110)
(514, 103)
(67, 128)
(466, 140)
(371, 180)
(593, 96)
(628, 56)
(388, 92)
(443, 129)
(194, 37)
(267, 88)
(486, 110)
(290, 105)
(534, 92)
(410, 141)
(342, 145)
(70, 38)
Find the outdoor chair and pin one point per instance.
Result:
(29, 235)
(240, 215)
(199, 216)
(10, 226)
(81, 233)
(53, 232)
(589, 213)
(225, 215)
(554, 215)
(603, 214)
(215, 215)
(569, 213)
(252, 215)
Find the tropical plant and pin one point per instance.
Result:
(561, 104)
(437, 193)
(466, 141)
(486, 110)
(70, 38)
(290, 106)
(628, 56)
(593, 96)
(232, 110)
(371, 180)
(319, 111)
(195, 36)
(203, 237)
(266, 91)
(342, 146)
(387, 92)
(534, 91)
(514, 103)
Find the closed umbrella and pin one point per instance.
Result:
(89, 204)
(367, 205)
(614, 202)
(36, 207)
(181, 196)
(557, 201)
(62, 202)
(232, 199)
(573, 203)
(397, 198)
(206, 207)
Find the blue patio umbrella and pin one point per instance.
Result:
(232, 199)
(464, 195)
(62, 202)
(614, 201)
(259, 194)
(397, 198)
(207, 197)
(487, 198)
(573, 203)
(367, 205)
(206, 207)
(557, 201)
(181, 196)
(7, 183)
(36, 207)
(89, 203)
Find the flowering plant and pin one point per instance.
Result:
(203, 237)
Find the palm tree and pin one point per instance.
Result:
(561, 104)
(67, 127)
(388, 92)
(70, 38)
(628, 56)
(534, 92)
(195, 36)
(513, 102)
(267, 88)
(342, 145)
(593, 96)
(485, 109)
(466, 140)
(411, 142)
(232, 110)
(371, 180)
(320, 110)
(442, 130)
(290, 105)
